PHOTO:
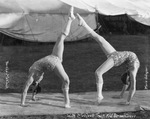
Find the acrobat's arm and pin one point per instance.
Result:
(124, 88)
(25, 90)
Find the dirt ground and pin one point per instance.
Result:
(83, 105)
(121, 115)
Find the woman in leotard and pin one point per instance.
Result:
(114, 58)
(52, 62)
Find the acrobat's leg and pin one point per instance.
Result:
(108, 64)
(59, 70)
(106, 46)
(25, 90)
(34, 96)
(59, 45)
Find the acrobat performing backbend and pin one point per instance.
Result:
(114, 58)
(52, 62)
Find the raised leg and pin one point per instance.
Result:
(59, 46)
(105, 46)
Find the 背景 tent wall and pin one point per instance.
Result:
(47, 28)
(137, 9)
(41, 20)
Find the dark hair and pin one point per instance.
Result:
(125, 78)
(37, 88)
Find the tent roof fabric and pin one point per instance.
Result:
(137, 9)
(35, 19)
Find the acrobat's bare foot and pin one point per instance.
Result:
(71, 13)
(35, 99)
(99, 99)
(67, 106)
(81, 20)
(24, 105)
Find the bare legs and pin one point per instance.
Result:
(58, 51)
(105, 46)
(108, 64)
(59, 46)
(107, 49)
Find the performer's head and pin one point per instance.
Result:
(125, 78)
(36, 87)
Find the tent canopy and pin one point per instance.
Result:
(42, 20)
(137, 9)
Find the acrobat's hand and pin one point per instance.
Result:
(25, 105)
(67, 106)
(117, 97)
(35, 99)
(124, 103)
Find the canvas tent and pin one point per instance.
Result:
(42, 20)
(137, 9)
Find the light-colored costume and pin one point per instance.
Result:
(47, 63)
(127, 57)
